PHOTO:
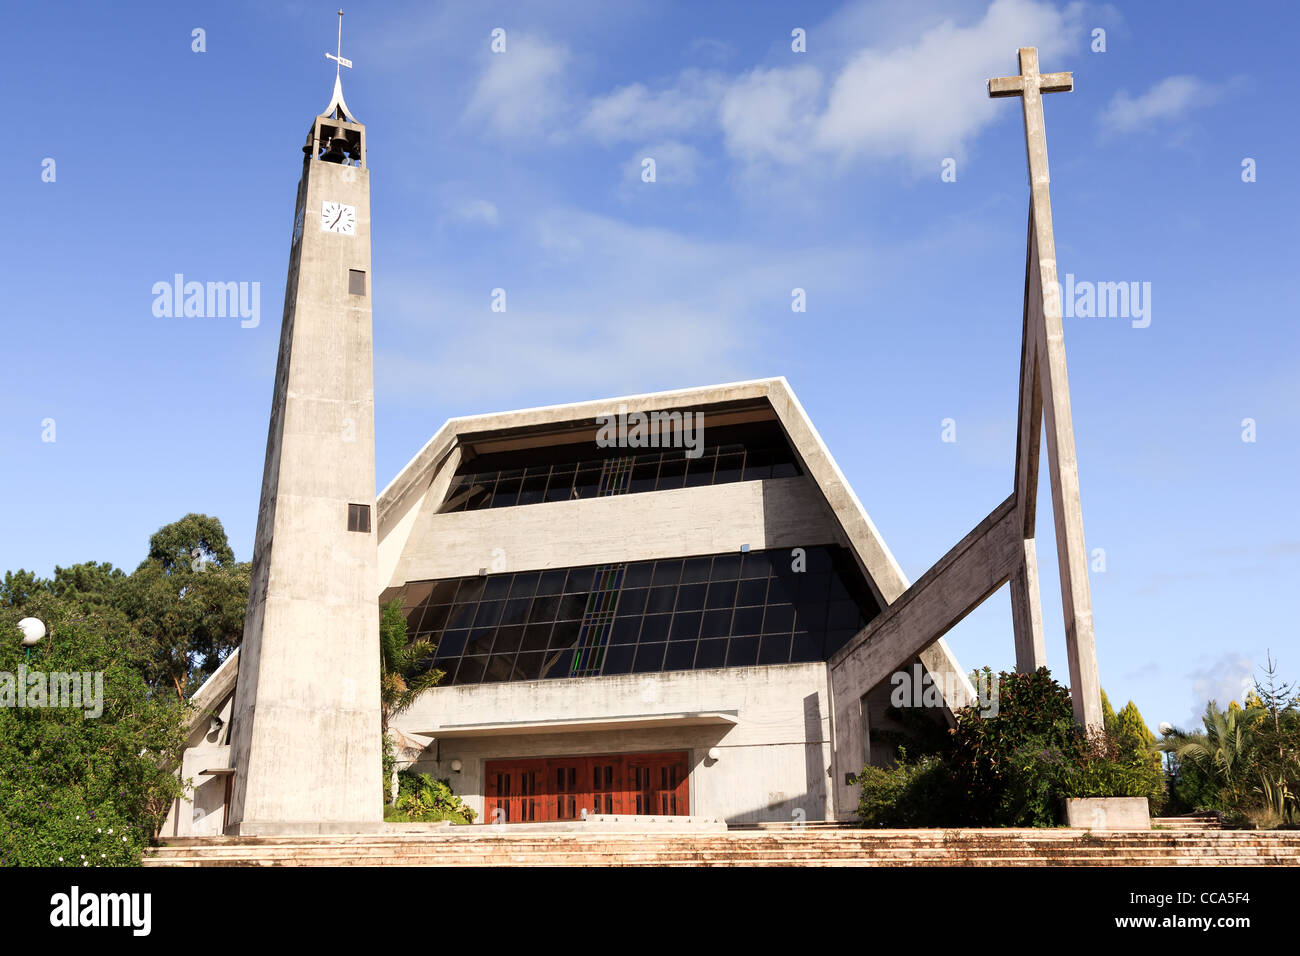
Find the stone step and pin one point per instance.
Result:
(752, 847)
(1186, 825)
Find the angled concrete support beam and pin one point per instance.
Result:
(1027, 612)
(959, 581)
(913, 626)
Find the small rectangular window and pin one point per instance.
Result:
(359, 518)
(356, 282)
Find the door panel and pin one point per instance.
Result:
(561, 788)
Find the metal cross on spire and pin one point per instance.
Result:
(339, 59)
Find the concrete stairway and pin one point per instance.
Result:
(1193, 821)
(810, 846)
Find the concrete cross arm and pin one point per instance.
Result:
(1047, 83)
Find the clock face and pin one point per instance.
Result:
(297, 225)
(336, 217)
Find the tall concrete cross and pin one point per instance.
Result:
(1000, 549)
(1045, 396)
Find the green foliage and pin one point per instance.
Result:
(422, 799)
(19, 587)
(1034, 715)
(1113, 767)
(1244, 761)
(76, 789)
(915, 793)
(187, 598)
(389, 761)
(183, 545)
(1107, 713)
(1223, 752)
(407, 666)
(1035, 780)
(1016, 767)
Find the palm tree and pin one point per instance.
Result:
(406, 669)
(1223, 750)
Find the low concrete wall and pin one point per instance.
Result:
(1108, 813)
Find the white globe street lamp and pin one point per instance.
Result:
(33, 630)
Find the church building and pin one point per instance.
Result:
(668, 605)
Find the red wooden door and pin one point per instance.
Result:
(568, 781)
(561, 788)
(606, 785)
(659, 785)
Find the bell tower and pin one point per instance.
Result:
(305, 730)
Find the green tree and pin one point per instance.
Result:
(96, 584)
(1223, 751)
(1278, 744)
(19, 587)
(1107, 714)
(407, 669)
(188, 597)
(78, 789)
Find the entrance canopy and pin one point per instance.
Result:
(723, 718)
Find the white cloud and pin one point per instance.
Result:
(770, 114)
(520, 92)
(1224, 680)
(926, 100)
(636, 112)
(474, 211)
(922, 101)
(597, 307)
(918, 93)
(1170, 99)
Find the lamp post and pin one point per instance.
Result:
(33, 630)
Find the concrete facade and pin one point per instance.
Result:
(770, 725)
(303, 727)
(309, 661)
(790, 740)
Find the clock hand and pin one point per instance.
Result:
(336, 219)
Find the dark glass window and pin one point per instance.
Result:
(745, 452)
(359, 518)
(643, 617)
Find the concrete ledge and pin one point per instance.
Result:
(1108, 813)
(304, 828)
(396, 827)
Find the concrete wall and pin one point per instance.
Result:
(202, 810)
(773, 761)
(778, 512)
(305, 730)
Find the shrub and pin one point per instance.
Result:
(422, 799)
(1015, 768)
(1113, 766)
(1035, 781)
(910, 794)
(1034, 715)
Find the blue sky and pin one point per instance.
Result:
(775, 169)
